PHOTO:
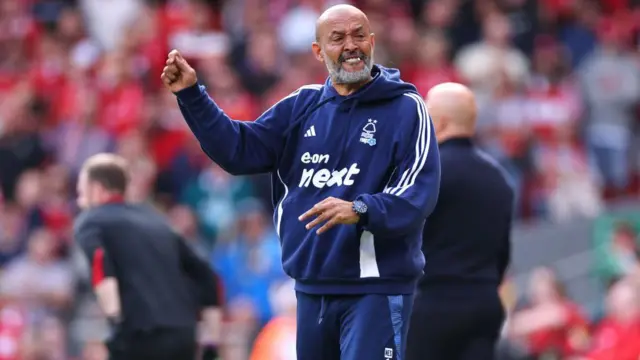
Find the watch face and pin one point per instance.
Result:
(360, 207)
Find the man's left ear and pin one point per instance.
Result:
(373, 39)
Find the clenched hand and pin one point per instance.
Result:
(178, 74)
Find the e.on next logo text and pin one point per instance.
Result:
(321, 177)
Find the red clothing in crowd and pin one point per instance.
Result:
(552, 108)
(120, 108)
(615, 341)
(425, 78)
(561, 339)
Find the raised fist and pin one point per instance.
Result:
(178, 74)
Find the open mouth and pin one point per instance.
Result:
(353, 60)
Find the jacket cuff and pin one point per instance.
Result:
(190, 94)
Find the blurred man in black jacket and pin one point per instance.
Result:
(142, 271)
(457, 313)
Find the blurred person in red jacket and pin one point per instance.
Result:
(551, 324)
(617, 337)
(433, 65)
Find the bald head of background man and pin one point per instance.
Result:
(452, 107)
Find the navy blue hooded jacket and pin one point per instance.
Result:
(376, 145)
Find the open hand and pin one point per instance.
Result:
(178, 74)
(330, 211)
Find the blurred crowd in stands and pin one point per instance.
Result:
(558, 85)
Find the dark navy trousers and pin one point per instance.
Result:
(352, 327)
(463, 325)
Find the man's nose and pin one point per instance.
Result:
(350, 44)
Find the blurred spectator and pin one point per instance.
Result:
(276, 341)
(214, 196)
(298, 26)
(567, 180)
(504, 131)
(107, 21)
(197, 39)
(21, 147)
(618, 334)
(185, 223)
(41, 289)
(550, 324)
(78, 136)
(432, 66)
(251, 263)
(481, 63)
(624, 247)
(611, 84)
(12, 233)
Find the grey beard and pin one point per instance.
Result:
(340, 76)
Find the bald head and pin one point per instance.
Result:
(344, 43)
(338, 13)
(452, 107)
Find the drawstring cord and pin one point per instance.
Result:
(322, 309)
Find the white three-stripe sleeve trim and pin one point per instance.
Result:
(423, 141)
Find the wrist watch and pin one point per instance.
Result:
(360, 208)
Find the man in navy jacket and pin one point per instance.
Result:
(457, 313)
(355, 172)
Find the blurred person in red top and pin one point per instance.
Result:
(569, 184)
(166, 130)
(617, 337)
(47, 72)
(433, 66)
(121, 97)
(134, 148)
(56, 204)
(197, 38)
(145, 40)
(18, 32)
(224, 85)
(554, 98)
(402, 37)
(551, 324)
(503, 131)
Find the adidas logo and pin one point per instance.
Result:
(310, 132)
